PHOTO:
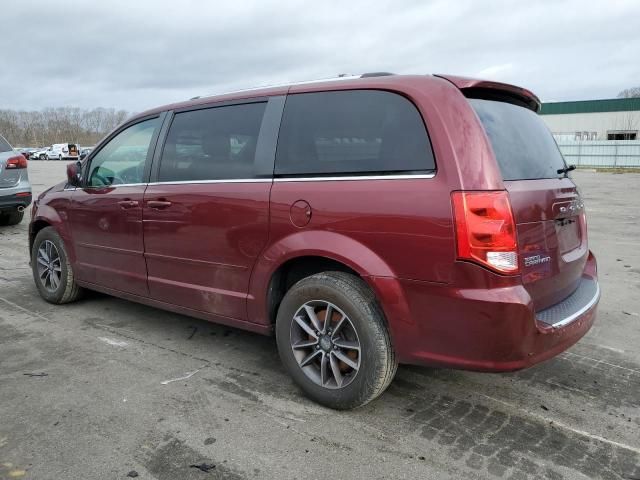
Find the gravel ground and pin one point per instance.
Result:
(87, 390)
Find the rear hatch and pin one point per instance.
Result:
(8, 177)
(546, 204)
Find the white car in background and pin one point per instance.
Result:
(58, 151)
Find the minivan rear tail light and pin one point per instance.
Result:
(16, 162)
(485, 230)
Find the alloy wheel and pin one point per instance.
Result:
(49, 266)
(325, 344)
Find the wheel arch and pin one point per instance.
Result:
(293, 270)
(312, 252)
(49, 217)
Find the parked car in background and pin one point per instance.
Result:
(27, 152)
(366, 221)
(40, 154)
(84, 152)
(58, 151)
(15, 189)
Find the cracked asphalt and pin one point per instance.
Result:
(103, 387)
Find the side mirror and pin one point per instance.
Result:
(74, 173)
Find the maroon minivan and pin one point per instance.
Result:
(366, 221)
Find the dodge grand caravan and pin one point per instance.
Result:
(365, 221)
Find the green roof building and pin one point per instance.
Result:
(608, 119)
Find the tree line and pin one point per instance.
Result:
(58, 125)
(632, 92)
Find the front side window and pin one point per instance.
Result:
(216, 143)
(355, 132)
(122, 160)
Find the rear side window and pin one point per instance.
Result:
(212, 144)
(522, 144)
(4, 145)
(352, 132)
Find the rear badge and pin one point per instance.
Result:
(536, 260)
(536, 267)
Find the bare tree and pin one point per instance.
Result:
(632, 92)
(59, 125)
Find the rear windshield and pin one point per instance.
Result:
(524, 147)
(4, 145)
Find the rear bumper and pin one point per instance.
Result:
(487, 329)
(14, 200)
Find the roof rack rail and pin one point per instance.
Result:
(340, 77)
(376, 74)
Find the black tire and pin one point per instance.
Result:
(43, 157)
(11, 218)
(377, 360)
(67, 290)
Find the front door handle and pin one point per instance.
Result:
(158, 204)
(126, 204)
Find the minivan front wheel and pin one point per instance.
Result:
(52, 271)
(333, 340)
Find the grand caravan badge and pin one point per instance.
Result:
(536, 260)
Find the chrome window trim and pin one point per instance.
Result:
(97, 187)
(228, 180)
(269, 180)
(355, 177)
(300, 179)
(587, 307)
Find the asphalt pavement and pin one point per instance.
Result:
(103, 388)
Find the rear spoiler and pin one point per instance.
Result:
(488, 90)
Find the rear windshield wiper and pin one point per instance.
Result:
(565, 170)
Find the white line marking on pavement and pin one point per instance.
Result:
(187, 375)
(20, 307)
(617, 350)
(115, 343)
(602, 362)
(564, 426)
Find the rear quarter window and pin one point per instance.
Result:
(522, 144)
(353, 132)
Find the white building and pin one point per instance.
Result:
(611, 119)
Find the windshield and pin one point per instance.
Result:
(522, 144)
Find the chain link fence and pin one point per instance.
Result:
(601, 153)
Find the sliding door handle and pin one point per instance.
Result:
(158, 204)
(126, 204)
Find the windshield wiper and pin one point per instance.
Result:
(566, 169)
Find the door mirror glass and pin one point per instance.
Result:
(74, 173)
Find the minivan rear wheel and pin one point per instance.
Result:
(52, 272)
(333, 339)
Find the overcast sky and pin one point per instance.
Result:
(137, 54)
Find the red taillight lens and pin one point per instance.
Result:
(485, 230)
(16, 162)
